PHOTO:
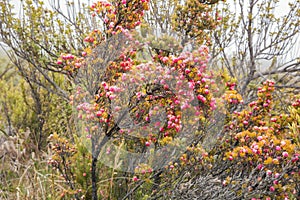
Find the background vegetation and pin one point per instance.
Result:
(239, 58)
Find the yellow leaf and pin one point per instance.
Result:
(275, 161)
(268, 161)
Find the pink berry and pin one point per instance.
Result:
(147, 144)
(273, 119)
(259, 138)
(260, 166)
(99, 113)
(278, 148)
(295, 158)
(285, 154)
(135, 179)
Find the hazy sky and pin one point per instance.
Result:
(281, 9)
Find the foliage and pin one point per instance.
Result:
(147, 117)
(193, 19)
